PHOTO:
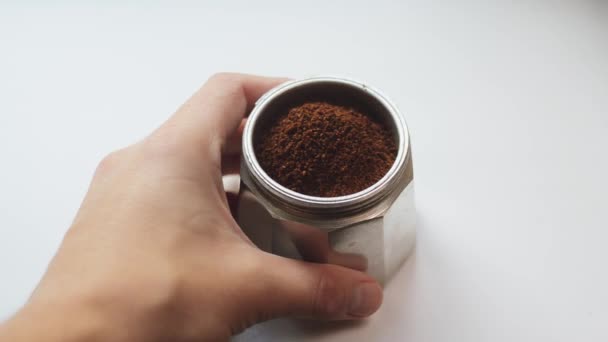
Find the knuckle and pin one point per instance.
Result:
(110, 162)
(229, 83)
(223, 77)
(329, 300)
(169, 145)
(162, 144)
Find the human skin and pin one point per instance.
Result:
(154, 253)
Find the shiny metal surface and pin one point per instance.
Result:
(372, 230)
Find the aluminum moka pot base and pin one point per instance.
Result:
(372, 230)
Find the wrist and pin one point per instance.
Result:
(52, 321)
(71, 320)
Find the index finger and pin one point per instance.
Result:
(215, 111)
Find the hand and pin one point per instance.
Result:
(154, 253)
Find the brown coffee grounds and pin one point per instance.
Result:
(320, 149)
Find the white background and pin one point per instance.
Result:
(507, 106)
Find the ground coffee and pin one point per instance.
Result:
(325, 150)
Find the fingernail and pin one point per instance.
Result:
(365, 300)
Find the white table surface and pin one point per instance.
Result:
(508, 111)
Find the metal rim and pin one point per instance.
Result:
(299, 200)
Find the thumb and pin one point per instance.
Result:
(322, 291)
